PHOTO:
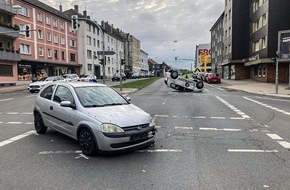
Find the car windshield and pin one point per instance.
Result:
(49, 79)
(99, 96)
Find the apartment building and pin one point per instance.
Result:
(217, 45)
(134, 53)
(51, 46)
(144, 67)
(268, 17)
(9, 54)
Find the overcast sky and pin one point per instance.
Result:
(165, 28)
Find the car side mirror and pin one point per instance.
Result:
(67, 104)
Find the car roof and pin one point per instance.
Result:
(80, 84)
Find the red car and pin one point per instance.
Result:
(213, 78)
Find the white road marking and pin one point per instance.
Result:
(217, 117)
(216, 129)
(26, 113)
(29, 123)
(159, 150)
(234, 108)
(199, 117)
(184, 128)
(30, 96)
(1, 121)
(12, 113)
(206, 90)
(275, 137)
(61, 152)
(8, 99)
(16, 138)
(161, 115)
(252, 150)
(236, 118)
(14, 123)
(82, 156)
(265, 105)
(285, 144)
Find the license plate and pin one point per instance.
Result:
(139, 136)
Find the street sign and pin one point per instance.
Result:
(197, 70)
(106, 53)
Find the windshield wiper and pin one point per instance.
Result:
(93, 106)
(114, 104)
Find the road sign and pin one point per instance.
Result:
(197, 70)
(106, 53)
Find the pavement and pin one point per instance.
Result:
(247, 85)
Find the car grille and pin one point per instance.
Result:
(34, 86)
(125, 144)
(135, 127)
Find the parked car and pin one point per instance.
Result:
(89, 78)
(116, 77)
(213, 78)
(95, 115)
(37, 86)
(136, 76)
(71, 77)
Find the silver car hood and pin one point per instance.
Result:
(121, 115)
(40, 83)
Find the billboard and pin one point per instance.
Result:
(203, 57)
(284, 44)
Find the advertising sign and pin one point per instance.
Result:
(203, 59)
(284, 44)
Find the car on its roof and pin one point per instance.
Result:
(37, 86)
(95, 115)
(71, 77)
(89, 78)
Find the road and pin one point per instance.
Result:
(216, 139)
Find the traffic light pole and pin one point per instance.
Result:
(277, 71)
(104, 71)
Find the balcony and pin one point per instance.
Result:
(8, 8)
(9, 31)
(9, 55)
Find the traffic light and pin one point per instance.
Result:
(74, 22)
(27, 31)
(101, 61)
(122, 61)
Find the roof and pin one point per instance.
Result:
(76, 84)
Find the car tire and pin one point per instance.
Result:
(174, 74)
(87, 142)
(39, 126)
(199, 85)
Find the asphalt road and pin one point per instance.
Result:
(216, 139)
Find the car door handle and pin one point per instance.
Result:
(51, 108)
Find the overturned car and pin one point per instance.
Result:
(173, 80)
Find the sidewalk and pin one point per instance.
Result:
(242, 85)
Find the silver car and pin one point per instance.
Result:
(94, 114)
(36, 86)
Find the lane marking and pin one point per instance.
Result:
(265, 105)
(251, 150)
(191, 128)
(12, 113)
(29, 123)
(233, 108)
(16, 138)
(161, 115)
(159, 150)
(61, 152)
(216, 129)
(82, 156)
(236, 118)
(285, 144)
(217, 117)
(14, 122)
(26, 113)
(274, 136)
(199, 117)
(8, 99)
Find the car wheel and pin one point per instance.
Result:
(87, 142)
(199, 85)
(174, 74)
(38, 124)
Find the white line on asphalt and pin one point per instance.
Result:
(184, 127)
(14, 122)
(159, 150)
(30, 96)
(26, 113)
(236, 118)
(29, 123)
(1, 121)
(216, 129)
(217, 117)
(61, 152)
(6, 99)
(199, 117)
(251, 150)
(265, 105)
(206, 90)
(275, 137)
(161, 115)
(12, 113)
(285, 144)
(16, 138)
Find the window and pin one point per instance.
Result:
(89, 54)
(256, 47)
(22, 29)
(47, 93)
(49, 53)
(62, 25)
(48, 37)
(72, 43)
(264, 71)
(48, 20)
(88, 27)
(55, 39)
(62, 41)
(40, 35)
(89, 40)
(73, 57)
(259, 71)
(24, 48)
(89, 67)
(55, 54)
(264, 43)
(63, 94)
(40, 51)
(62, 55)
(6, 70)
(94, 42)
(264, 19)
(55, 23)
(39, 17)
(257, 25)
(24, 11)
(98, 43)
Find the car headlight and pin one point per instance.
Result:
(153, 122)
(111, 128)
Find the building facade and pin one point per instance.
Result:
(51, 46)
(9, 53)
(144, 62)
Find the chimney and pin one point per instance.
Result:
(76, 8)
(85, 13)
(60, 7)
(112, 28)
